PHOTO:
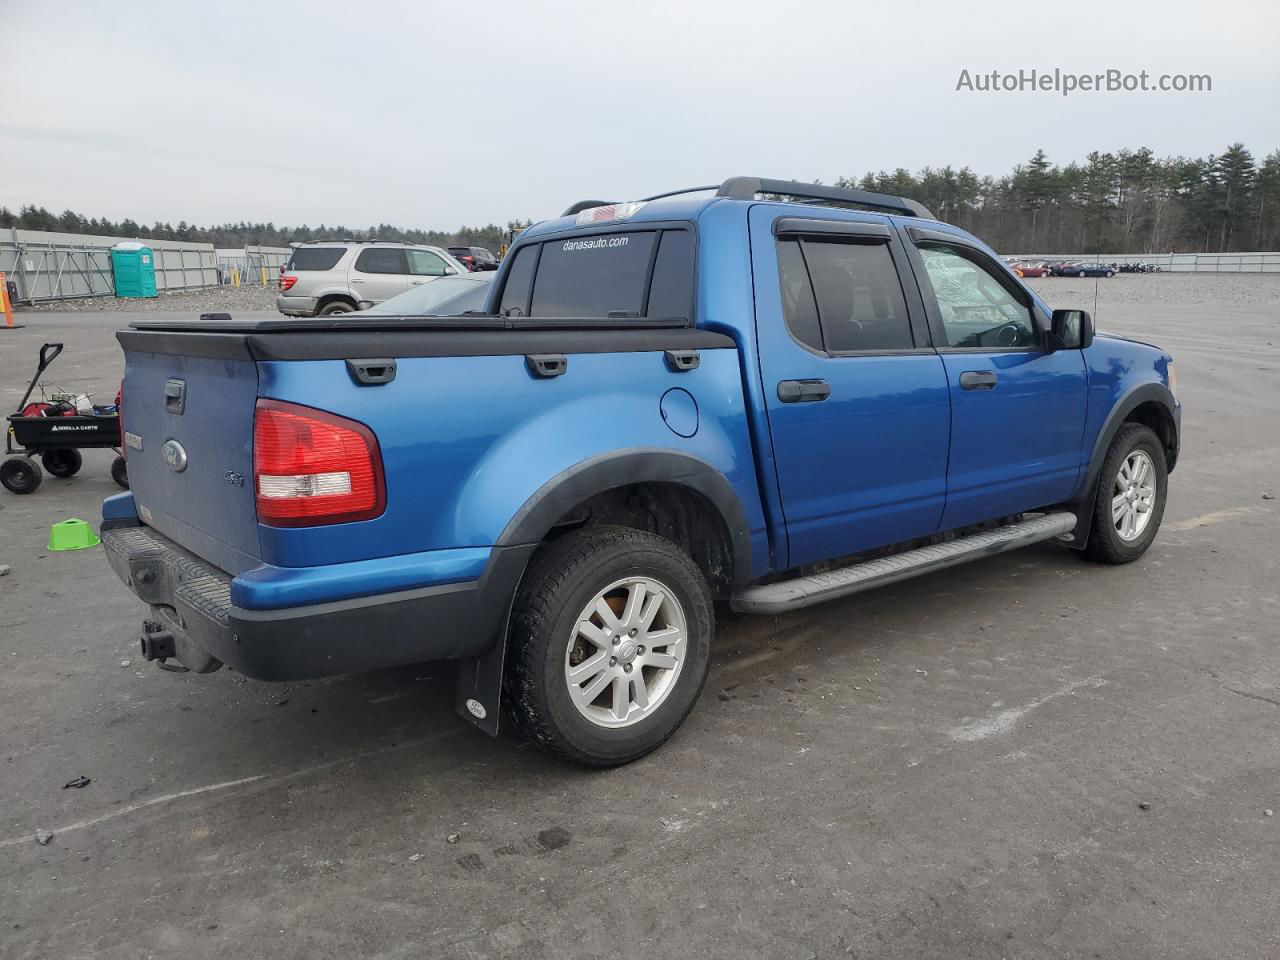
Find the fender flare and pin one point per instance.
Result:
(1088, 490)
(571, 487)
(478, 693)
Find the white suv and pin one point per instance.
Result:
(338, 276)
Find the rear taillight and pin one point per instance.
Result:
(286, 281)
(311, 467)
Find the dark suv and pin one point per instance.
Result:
(475, 258)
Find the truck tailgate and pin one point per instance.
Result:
(190, 451)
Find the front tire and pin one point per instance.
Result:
(609, 645)
(1129, 505)
(20, 475)
(338, 306)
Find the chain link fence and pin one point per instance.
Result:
(48, 266)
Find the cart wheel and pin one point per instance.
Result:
(20, 474)
(63, 462)
(120, 472)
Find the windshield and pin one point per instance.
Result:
(447, 296)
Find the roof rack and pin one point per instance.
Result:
(403, 243)
(746, 188)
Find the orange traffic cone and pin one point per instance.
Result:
(6, 307)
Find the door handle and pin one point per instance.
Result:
(357, 280)
(416, 282)
(803, 391)
(977, 380)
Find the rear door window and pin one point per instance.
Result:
(382, 260)
(593, 276)
(315, 258)
(860, 301)
(799, 309)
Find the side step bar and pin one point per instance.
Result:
(804, 591)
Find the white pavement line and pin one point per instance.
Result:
(1006, 720)
(26, 838)
(168, 797)
(1205, 519)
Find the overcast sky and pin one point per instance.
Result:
(440, 114)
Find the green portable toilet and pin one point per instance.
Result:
(134, 267)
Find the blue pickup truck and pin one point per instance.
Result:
(764, 394)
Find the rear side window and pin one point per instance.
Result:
(593, 276)
(315, 258)
(671, 290)
(515, 295)
(857, 294)
(381, 260)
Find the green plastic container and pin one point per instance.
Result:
(134, 267)
(72, 534)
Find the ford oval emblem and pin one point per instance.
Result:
(174, 455)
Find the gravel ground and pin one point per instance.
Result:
(211, 300)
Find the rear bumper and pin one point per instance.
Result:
(296, 306)
(192, 599)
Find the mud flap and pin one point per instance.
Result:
(478, 692)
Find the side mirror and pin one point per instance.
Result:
(1071, 329)
(449, 272)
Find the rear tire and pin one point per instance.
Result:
(63, 462)
(120, 472)
(338, 306)
(562, 647)
(1122, 530)
(20, 475)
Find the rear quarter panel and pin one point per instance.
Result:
(466, 441)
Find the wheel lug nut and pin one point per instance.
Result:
(613, 661)
(627, 668)
(634, 631)
(615, 641)
(639, 650)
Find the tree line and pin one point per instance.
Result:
(1124, 202)
(236, 235)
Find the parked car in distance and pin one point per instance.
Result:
(446, 297)
(672, 404)
(337, 276)
(1091, 270)
(1060, 268)
(1035, 268)
(475, 258)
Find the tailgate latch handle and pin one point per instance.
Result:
(175, 396)
(546, 365)
(372, 373)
